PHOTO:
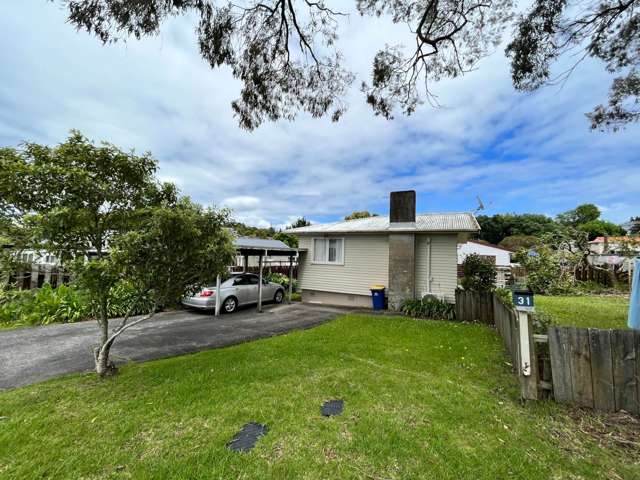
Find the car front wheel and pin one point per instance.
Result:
(279, 296)
(230, 305)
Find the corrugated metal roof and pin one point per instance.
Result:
(428, 222)
(261, 243)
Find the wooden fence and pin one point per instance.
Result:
(599, 275)
(596, 368)
(587, 367)
(474, 306)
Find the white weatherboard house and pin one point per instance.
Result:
(411, 255)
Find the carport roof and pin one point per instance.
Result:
(258, 246)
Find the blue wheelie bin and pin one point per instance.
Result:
(377, 296)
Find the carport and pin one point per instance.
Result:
(261, 248)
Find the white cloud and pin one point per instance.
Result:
(519, 152)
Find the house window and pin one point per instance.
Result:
(328, 250)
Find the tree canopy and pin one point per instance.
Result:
(360, 214)
(584, 213)
(105, 215)
(497, 227)
(285, 55)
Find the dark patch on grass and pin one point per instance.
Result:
(332, 407)
(246, 438)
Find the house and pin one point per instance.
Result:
(614, 245)
(614, 252)
(499, 256)
(411, 255)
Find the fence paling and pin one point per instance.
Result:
(596, 368)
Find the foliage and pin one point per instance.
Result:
(300, 222)
(429, 307)
(505, 295)
(125, 300)
(601, 228)
(360, 214)
(287, 238)
(281, 279)
(65, 304)
(516, 242)
(541, 322)
(249, 231)
(284, 52)
(42, 306)
(176, 249)
(479, 273)
(85, 198)
(584, 213)
(607, 30)
(497, 227)
(549, 271)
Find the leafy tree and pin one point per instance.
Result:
(606, 29)
(516, 242)
(82, 200)
(175, 249)
(496, 227)
(290, 240)
(601, 228)
(479, 273)
(360, 214)
(584, 213)
(300, 222)
(243, 230)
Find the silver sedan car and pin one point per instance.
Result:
(238, 290)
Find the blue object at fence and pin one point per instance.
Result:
(634, 302)
(377, 298)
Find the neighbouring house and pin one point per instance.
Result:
(499, 256)
(615, 253)
(411, 255)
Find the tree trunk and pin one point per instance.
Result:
(104, 367)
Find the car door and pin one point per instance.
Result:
(241, 289)
(252, 289)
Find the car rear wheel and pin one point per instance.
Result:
(230, 305)
(279, 296)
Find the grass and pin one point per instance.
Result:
(586, 311)
(423, 399)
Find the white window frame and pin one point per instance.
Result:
(326, 250)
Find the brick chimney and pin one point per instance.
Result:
(402, 217)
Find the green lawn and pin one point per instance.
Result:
(423, 399)
(586, 311)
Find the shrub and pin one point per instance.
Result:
(43, 306)
(429, 307)
(479, 273)
(548, 271)
(64, 304)
(281, 279)
(505, 295)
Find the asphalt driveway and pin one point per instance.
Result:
(31, 355)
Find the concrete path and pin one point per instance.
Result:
(31, 355)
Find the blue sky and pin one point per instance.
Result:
(518, 152)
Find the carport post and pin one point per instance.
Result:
(260, 283)
(218, 295)
(290, 278)
(245, 264)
